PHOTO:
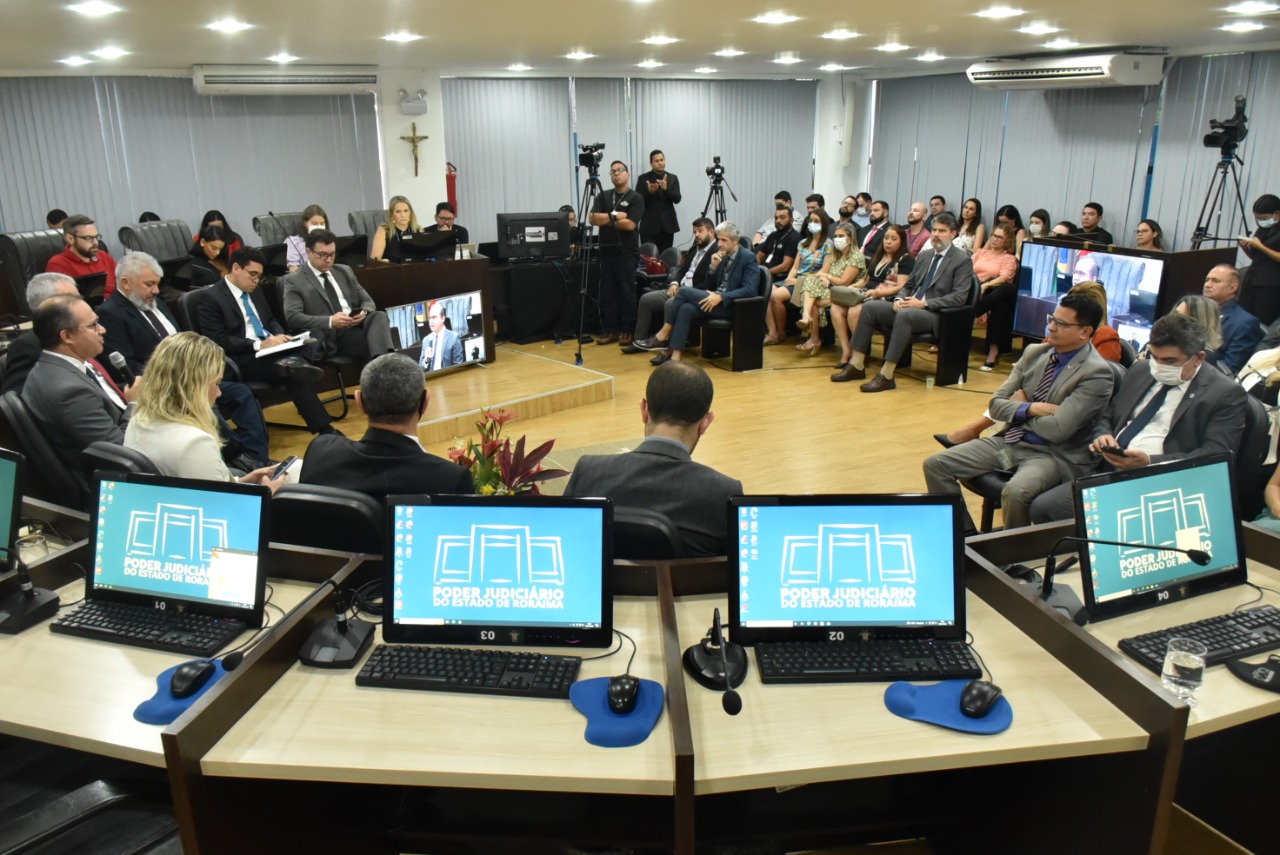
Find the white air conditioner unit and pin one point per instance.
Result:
(1069, 72)
(273, 80)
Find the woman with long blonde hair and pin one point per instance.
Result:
(401, 224)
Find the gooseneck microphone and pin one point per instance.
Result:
(718, 664)
(28, 605)
(731, 700)
(122, 365)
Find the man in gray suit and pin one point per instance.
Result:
(70, 397)
(660, 474)
(441, 346)
(1169, 407)
(1051, 399)
(327, 299)
(941, 279)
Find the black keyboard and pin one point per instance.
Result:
(143, 626)
(487, 671)
(881, 660)
(1242, 633)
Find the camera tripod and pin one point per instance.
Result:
(589, 193)
(1214, 198)
(716, 197)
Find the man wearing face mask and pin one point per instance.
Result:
(1169, 409)
(1260, 292)
(862, 211)
(872, 236)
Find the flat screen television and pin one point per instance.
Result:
(442, 333)
(1051, 267)
(533, 235)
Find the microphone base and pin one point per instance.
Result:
(18, 611)
(1067, 603)
(328, 648)
(704, 665)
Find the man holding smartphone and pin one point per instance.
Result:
(326, 299)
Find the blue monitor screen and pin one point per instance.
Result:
(9, 500)
(846, 565)
(534, 566)
(1048, 272)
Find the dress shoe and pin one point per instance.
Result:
(608, 338)
(849, 373)
(624, 340)
(651, 343)
(943, 441)
(661, 357)
(987, 366)
(293, 366)
(631, 348)
(879, 383)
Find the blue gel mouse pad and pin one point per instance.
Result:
(940, 704)
(163, 707)
(607, 728)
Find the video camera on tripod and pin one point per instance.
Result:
(1225, 136)
(1228, 135)
(715, 171)
(590, 156)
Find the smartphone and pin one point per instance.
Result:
(355, 310)
(284, 466)
(1113, 449)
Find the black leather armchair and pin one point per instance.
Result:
(742, 336)
(23, 255)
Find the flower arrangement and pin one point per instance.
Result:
(498, 469)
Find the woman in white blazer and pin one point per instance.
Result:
(173, 422)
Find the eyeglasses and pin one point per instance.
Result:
(1058, 322)
(445, 219)
(323, 256)
(255, 275)
(617, 171)
(93, 238)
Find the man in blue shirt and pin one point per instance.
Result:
(1241, 331)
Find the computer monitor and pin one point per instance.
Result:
(1049, 268)
(460, 338)
(534, 235)
(833, 568)
(12, 467)
(1189, 504)
(493, 570)
(179, 543)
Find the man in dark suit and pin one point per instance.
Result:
(71, 399)
(1241, 331)
(389, 458)
(235, 315)
(735, 274)
(136, 322)
(661, 193)
(441, 346)
(24, 351)
(326, 299)
(870, 238)
(660, 474)
(692, 271)
(941, 279)
(1169, 407)
(447, 223)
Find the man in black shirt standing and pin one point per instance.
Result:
(661, 193)
(618, 213)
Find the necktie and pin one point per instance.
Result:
(331, 292)
(253, 316)
(100, 382)
(724, 279)
(150, 315)
(1143, 418)
(1041, 394)
(933, 271)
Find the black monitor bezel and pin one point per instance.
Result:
(249, 616)
(1174, 591)
(19, 481)
(561, 218)
(500, 635)
(750, 635)
(414, 351)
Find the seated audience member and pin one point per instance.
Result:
(441, 346)
(83, 255)
(814, 201)
(148, 217)
(325, 298)
(996, 268)
(210, 257)
(1065, 228)
(447, 221)
(1038, 223)
(24, 351)
(313, 219)
(55, 218)
(862, 211)
(781, 199)
(778, 251)
(389, 458)
(811, 254)
(235, 314)
(1009, 217)
(1150, 236)
(937, 204)
(1270, 516)
(660, 473)
(1168, 407)
(72, 400)
(886, 274)
(1205, 312)
(873, 234)
(917, 233)
(941, 278)
(971, 233)
(844, 267)
(401, 225)
(1090, 225)
(1260, 291)
(848, 207)
(136, 322)
(660, 190)
(1241, 331)
(218, 219)
(734, 275)
(692, 272)
(1051, 400)
(173, 421)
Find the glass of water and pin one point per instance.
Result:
(1183, 672)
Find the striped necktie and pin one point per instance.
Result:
(1041, 394)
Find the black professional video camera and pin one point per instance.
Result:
(1228, 135)
(591, 155)
(715, 171)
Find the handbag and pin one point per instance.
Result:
(652, 266)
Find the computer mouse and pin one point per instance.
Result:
(190, 676)
(622, 693)
(978, 697)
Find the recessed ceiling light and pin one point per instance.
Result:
(831, 66)
(775, 18)
(1039, 28)
(75, 61)
(579, 54)
(931, 56)
(841, 34)
(229, 25)
(282, 58)
(1252, 7)
(1061, 44)
(110, 53)
(788, 60)
(660, 40)
(519, 66)
(650, 63)
(892, 47)
(706, 69)
(94, 8)
(729, 52)
(1242, 27)
(401, 36)
(1000, 12)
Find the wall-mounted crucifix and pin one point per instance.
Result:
(413, 139)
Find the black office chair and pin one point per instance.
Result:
(643, 535)
(56, 483)
(273, 228)
(670, 257)
(366, 222)
(741, 337)
(104, 456)
(1252, 473)
(327, 518)
(167, 241)
(23, 255)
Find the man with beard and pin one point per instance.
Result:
(848, 206)
(661, 193)
(917, 232)
(873, 235)
(691, 273)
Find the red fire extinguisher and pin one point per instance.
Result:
(451, 185)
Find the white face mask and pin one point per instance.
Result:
(840, 242)
(315, 228)
(1037, 229)
(1169, 375)
(814, 228)
(1266, 224)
